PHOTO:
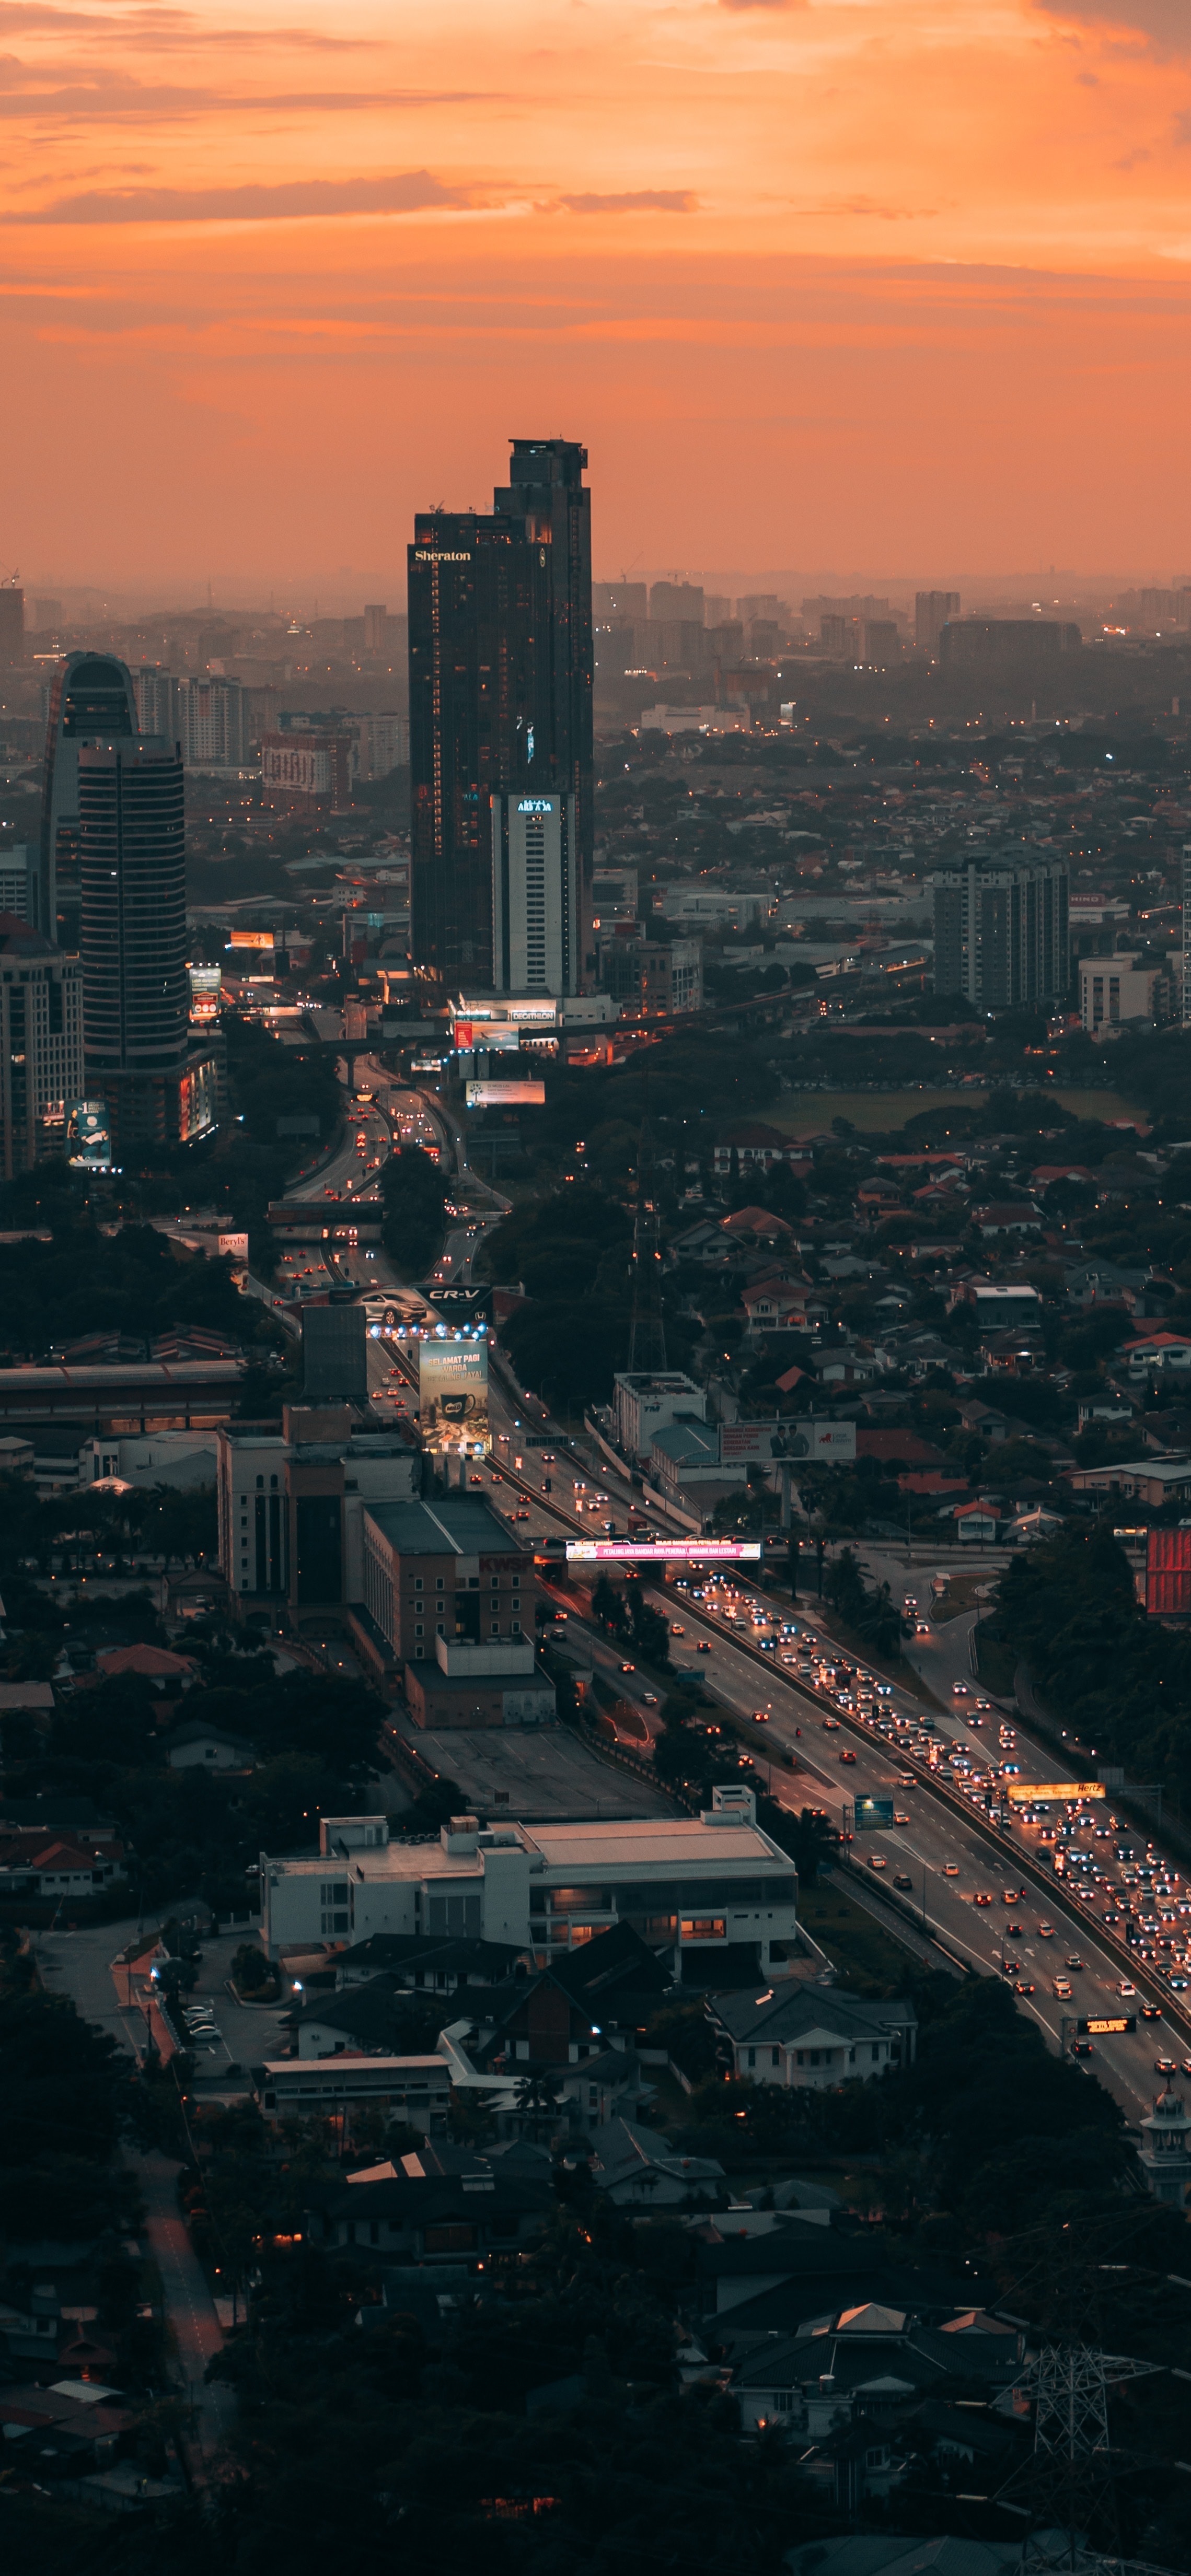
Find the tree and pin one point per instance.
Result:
(413, 1196)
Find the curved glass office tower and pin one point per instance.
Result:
(136, 992)
(91, 699)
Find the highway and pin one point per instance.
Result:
(948, 1855)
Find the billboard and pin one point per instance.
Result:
(205, 984)
(658, 1551)
(262, 939)
(453, 1395)
(88, 1135)
(872, 1814)
(1024, 1793)
(1168, 1571)
(1107, 2023)
(495, 1095)
(799, 1437)
(500, 1034)
(233, 1246)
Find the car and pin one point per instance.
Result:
(703, 1647)
(1073, 1961)
(761, 1717)
(676, 1630)
(1081, 2048)
(951, 1869)
(877, 1860)
(1046, 1931)
(922, 1627)
(1151, 2012)
(982, 1897)
(475, 1480)
(901, 1880)
(900, 1817)
(1015, 1931)
(650, 1699)
(1061, 1986)
(1012, 1895)
(628, 1668)
(846, 1753)
(960, 1690)
(1125, 1989)
(1165, 2066)
(831, 1726)
(983, 1704)
(1023, 1985)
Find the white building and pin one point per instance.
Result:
(213, 722)
(808, 2038)
(645, 1404)
(536, 895)
(1113, 990)
(292, 1503)
(713, 1884)
(180, 1459)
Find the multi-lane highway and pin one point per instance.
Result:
(947, 1850)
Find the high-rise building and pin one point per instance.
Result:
(47, 616)
(501, 675)
(92, 699)
(881, 644)
(1001, 930)
(536, 895)
(760, 603)
(546, 483)
(156, 695)
(376, 627)
(12, 624)
(670, 601)
(41, 1044)
(932, 608)
(212, 722)
(1006, 648)
(136, 989)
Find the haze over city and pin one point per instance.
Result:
(595, 1288)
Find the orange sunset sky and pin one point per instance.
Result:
(898, 284)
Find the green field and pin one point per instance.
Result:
(806, 1113)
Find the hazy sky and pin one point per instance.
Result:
(899, 282)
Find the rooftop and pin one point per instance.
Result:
(453, 1525)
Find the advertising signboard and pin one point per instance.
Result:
(88, 1135)
(205, 984)
(872, 1814)
(800, 1437)
(234, 1246)
(497, 1095)
(453, 1395)
(1107, 2023)
(501, 1035)
(262, 939)
(659, 1551)
(1024, 1793)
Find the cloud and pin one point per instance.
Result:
(1164, 24)
(762, 4)
(163, 28)
(635, 201)
(402, 192)
(89, 94)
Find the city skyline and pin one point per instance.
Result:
(867, 283)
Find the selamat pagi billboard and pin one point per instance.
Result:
(453, 1396)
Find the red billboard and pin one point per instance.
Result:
(1168, 1573)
